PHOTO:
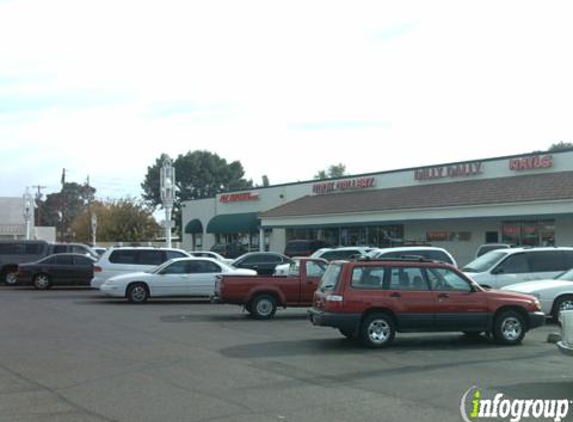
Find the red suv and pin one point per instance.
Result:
(373, 299)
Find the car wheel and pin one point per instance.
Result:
(509, 328)
(378, 330)
(263, 307)
(42, 282)
(564, 303)
(347, 333)
(137, 293)
(10, 277)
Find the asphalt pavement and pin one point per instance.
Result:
(73, 355)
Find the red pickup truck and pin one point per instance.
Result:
(262, 295)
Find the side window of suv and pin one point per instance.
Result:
(444, 279)
(547, 261)
(407, 278)
(513, 264)
(174, 254)
(368, 277)
(150, 257)
(123, 256)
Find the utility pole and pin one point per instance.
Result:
(167, 189)
(37, 217)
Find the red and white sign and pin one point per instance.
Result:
(238, 197)
(531, 163)
(453, 171)
(358, 183)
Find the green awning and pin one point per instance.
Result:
(234, 223)
(194, 227)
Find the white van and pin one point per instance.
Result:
(126, 259)
(503, 267)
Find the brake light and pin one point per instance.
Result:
(97, 269)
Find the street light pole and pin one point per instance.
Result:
(94, 228)
(167, 195)
(27, 211)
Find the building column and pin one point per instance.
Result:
(261, 239)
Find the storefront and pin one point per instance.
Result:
(522, 200)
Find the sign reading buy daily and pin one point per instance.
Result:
(452, 171)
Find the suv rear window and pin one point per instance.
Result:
(329, 280)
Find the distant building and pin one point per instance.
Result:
(13, 225)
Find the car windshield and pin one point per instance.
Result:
(160, 267)
(567, 275)
(484, 262)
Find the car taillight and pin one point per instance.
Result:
(97, 269)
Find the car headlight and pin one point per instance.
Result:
(537, 304)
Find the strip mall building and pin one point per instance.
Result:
(522, 199)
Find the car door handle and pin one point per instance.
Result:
(443, 296)
(395, 294)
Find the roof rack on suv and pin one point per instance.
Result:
(407, 258)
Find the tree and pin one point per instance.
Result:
(199, 174)
(124, 220)
(334, 171)
(60, 209)
(561, 146)
(266, 181)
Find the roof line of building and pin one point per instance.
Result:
(351, 176)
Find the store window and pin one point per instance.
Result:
(376, 236)
(529, 233)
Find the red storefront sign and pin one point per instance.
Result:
(238, 197)
(531, 163)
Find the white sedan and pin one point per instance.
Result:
(555, 294)
(178, 277)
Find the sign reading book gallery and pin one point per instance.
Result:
(452, 171)
(347, 184)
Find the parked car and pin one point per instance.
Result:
(374, 299)
(230, 250)
(261, 262)
(503, 267)
(64, 269)
(343, 252)
(303, 247)
(262, 295)
(193, 277)
(15, 252)
(210, 254)
(565, 344)
(555, 294)
(128, 259)
(428, 252)
(99, 250)
(488, 247)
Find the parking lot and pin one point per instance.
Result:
(73, 355)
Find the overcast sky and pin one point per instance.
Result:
(102, 88)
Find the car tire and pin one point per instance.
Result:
(563, 303)
(10, 277)
(42, 281)
(263, 307)
(509, 328)
(137, 293)
(378, 330)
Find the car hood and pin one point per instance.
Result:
(508, 294)
(537, 286)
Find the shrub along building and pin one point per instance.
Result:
(523, 200)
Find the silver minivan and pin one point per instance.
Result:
(502, 267)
